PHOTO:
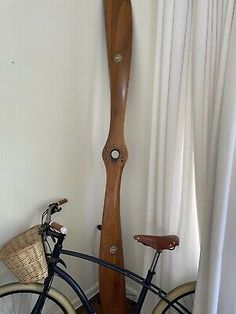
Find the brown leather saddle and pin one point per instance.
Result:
(159, 243)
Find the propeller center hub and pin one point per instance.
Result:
(115, 154)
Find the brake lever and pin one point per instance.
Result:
(58, 209)
(53, 204)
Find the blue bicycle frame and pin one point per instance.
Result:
(54, 258)
(144, 282)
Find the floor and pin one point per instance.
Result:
(95, 302)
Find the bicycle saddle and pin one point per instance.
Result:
(159, 243)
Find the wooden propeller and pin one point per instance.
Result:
(118, 22)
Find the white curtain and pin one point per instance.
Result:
(214, 102)
(171, 205)
(191, 143)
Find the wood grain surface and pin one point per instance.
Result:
(118, 22)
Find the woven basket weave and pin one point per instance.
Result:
(25, 256)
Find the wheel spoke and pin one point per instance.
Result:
(13, 304)
(181, 300)
(2, 308)
(21, 302)
(30, 303)
(184, 305)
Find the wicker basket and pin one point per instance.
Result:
(25, 256)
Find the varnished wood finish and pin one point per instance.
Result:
(118, 23)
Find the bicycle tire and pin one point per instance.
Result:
(176, 295)
(23, 293)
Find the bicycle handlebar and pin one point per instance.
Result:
(52, 209)
(56, 226)
(63, 201)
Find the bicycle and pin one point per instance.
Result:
(43, 298)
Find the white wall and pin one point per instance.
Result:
(54, 103)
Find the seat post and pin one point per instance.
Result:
(147, 281)
(155, 260)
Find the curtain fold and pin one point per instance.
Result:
(208, 74)
(171, 204)
(214, 151)
(191, 153)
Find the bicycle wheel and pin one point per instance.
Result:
(182, 297)
(17, 298)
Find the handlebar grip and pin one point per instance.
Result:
(56, 226)
(63, 201)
